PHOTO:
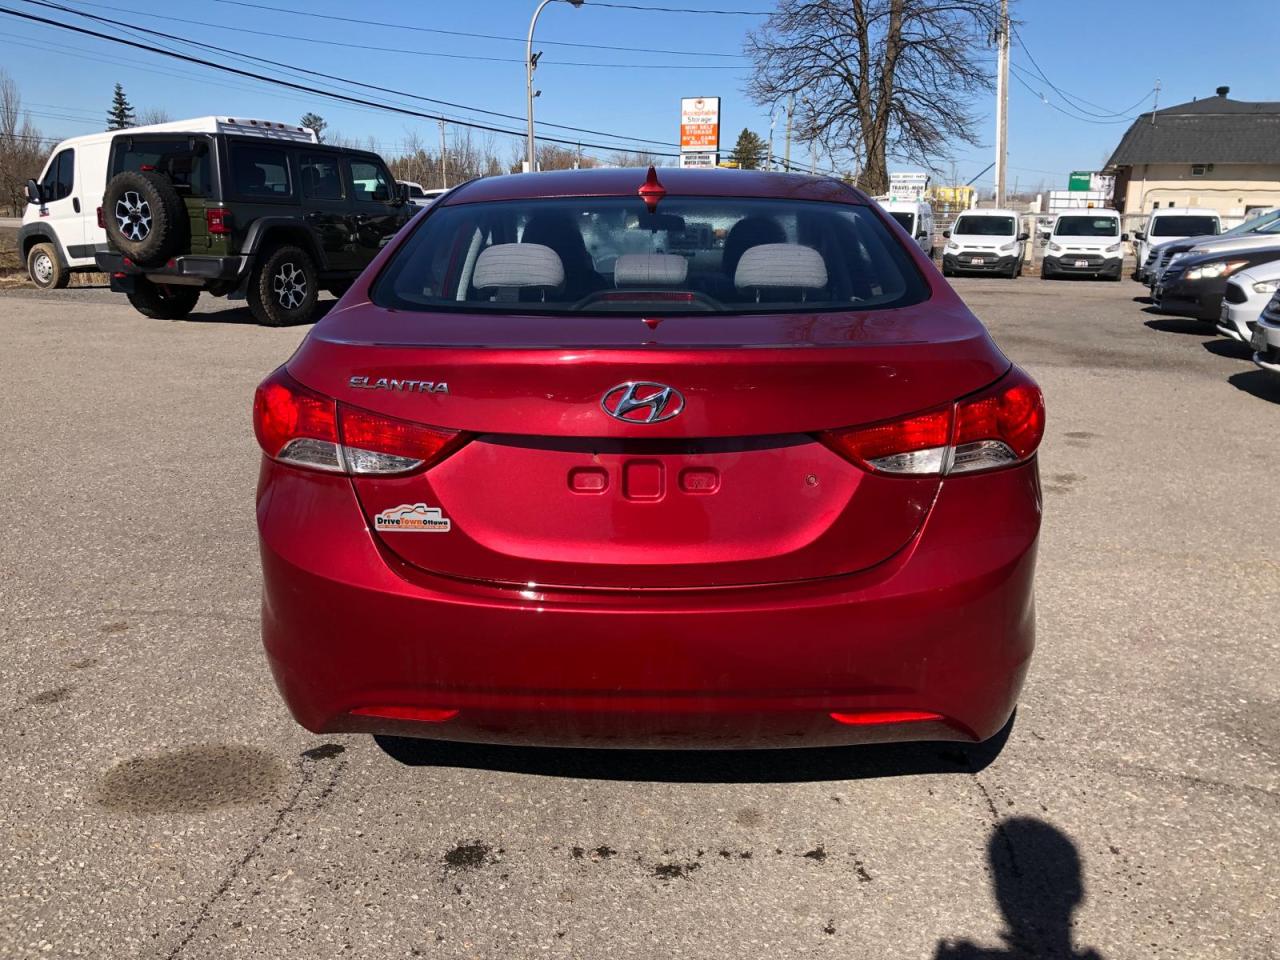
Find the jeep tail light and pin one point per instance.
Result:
(217, 219)
(102, 221)
(298, 426)
(995, 427)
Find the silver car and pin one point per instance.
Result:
(1247, 293)
(1266, 338)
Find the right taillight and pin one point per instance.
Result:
(995, 427)
(298, 426)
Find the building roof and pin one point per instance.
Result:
(1212, 130)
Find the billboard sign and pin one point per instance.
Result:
(908, 186)
(700, 124)
(701, 159)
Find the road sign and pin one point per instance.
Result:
(700, 124)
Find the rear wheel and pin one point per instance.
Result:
(161, 302)
(44, 269)
(283, 288)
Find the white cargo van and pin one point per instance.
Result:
(61, 228)
(985, 241)
(916, 217)
(1087, 243)
(1168, 225)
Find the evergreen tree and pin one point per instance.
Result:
(315, 122)
(121, 114)
(750, 151)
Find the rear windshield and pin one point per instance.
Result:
(984, 226)
(1087, 227)
(1184, 226)
(908, 220)
(184, 160)
(611, 255)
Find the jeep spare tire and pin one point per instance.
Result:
(145, 218)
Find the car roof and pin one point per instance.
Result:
(1185, 211)
(626, 181)
(1088, 212)
(988, 212)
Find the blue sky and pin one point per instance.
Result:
(1106, 54)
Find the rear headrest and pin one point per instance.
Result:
(650, 270)
(518, 265)
(781, 265)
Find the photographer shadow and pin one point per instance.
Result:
(1036, 872)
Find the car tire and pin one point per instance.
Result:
(162, 302)
(45, 269)
(339, 287)
(283, 287)
(144, 217)
(947, 271)
(1046, 273)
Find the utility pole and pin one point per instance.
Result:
(530, 65)
(444, 174)
(773, 121)
(786, 153)
(1155, 103)
(1002, 103)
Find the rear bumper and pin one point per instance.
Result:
(1095, 266)
(946, 626)
(189, 270)
(992, 264)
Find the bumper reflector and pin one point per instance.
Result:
(421, 714)
(866, 718)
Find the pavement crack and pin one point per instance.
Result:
(307, 777)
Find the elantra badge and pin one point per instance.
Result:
(642, 401)
(391, 383)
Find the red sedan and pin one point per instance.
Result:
(691, 458)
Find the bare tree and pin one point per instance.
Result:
(876, 78)
(153, 115)
(22, 149)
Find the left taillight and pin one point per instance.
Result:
(999, 426)
(298, 426)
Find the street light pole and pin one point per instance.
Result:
(530, 64)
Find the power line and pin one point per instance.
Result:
(1017, 76)
(358, 83)
(722, 13)
(452, 33)
(429, 53)
(329, 94)
(1069, 98)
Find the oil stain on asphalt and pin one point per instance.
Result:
(192, 779)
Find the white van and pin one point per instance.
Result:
(916, 217)
(1167, 225)
(1086, 243)
(62, 227)
(985, 241)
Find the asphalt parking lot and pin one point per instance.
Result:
(160, 803)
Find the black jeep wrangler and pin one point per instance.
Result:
(271, 220)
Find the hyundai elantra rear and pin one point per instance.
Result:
(691, 458)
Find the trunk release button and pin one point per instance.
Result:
(643, 480)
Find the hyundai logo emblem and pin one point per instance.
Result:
(642, 401)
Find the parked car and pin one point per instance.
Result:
(1245, 296)
(915, 217)
(1085, 243)
(496, 506)
(1266, 338)
(242, 209)
(418, 195)
(1170, 225)
(61, 229)
(1262, 226)
(1194, 285)
(985, 241)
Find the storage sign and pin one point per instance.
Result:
(700, 124)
